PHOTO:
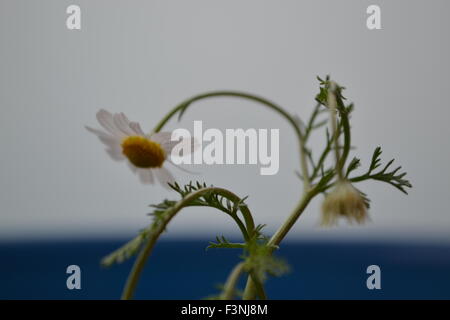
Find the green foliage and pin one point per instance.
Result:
(262, 262)
(222, 242)
(353, 165)
(326, 175)
(322, 96)
(318, 170)
(126, 251)
(130, 248)
(259, 262)
(162, 211)
(393, 177)
(210, 199)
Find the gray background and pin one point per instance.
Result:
(143, 57)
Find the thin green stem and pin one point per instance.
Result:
(250, 290)
(332, 105)
(275, 240)
(259, 288)
(292, 219)
(347, 133)
(322, 158)
(138, 266)
(310, 127)
(230, 286)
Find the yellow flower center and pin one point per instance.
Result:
(142, 152)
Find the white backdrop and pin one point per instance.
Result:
(143, 57)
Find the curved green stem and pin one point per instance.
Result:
(182, 107)
(138, 266)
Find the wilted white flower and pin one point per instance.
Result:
(145, 154)
(344, 201)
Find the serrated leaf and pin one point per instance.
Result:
(353, 165)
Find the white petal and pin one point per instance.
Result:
(181, 168)
(115, 154)
(136, 127)
(110, 141)
(97, 132)
(164, 177)
(123, 124)
(105, 118)
(164, 139)
(145, 176)
(161, 137)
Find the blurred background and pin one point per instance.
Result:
(63, 201)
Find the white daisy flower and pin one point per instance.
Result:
(145, 154)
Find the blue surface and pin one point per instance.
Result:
(184, 270)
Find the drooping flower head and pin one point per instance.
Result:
(145, 154)
(344, 201)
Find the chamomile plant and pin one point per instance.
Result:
(329, 173)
